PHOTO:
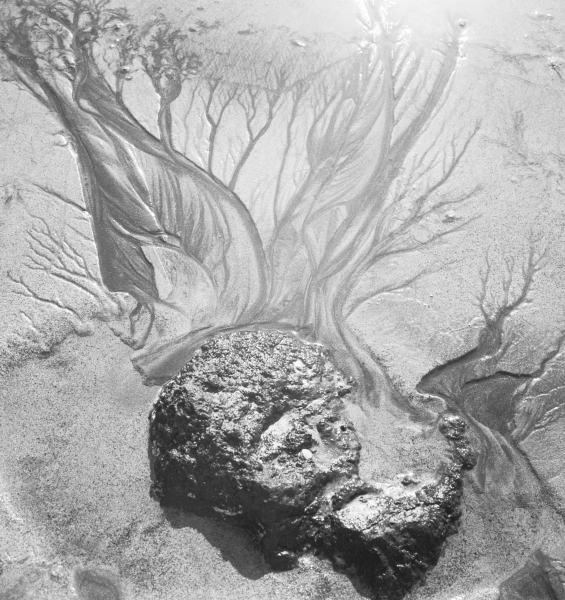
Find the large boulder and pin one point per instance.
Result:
(253, 430)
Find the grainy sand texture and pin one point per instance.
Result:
(76, 517)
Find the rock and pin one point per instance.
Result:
(253, 430)
(408, 479)
(393, 541)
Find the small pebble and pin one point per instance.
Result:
(307, 454)
(408, 479)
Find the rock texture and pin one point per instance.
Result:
(253, 430)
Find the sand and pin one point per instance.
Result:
(74, 480)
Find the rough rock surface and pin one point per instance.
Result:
(253, 430)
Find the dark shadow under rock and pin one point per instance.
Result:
(235, 543)
(253, 431)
